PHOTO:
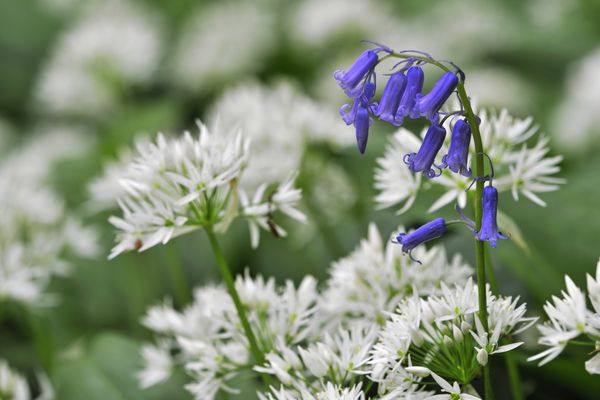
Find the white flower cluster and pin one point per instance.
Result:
(15, 387)
(519, 168)
(222, 41)
(35, 230)
(318, 345)
(421, 330)
(207, 338)
(278, 120)
(569, 317)
(174, 186)
(371, 281)
(112, 46)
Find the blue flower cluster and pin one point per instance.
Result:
(403, 98)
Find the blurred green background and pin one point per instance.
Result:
(525, 55)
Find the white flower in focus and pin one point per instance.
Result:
(278, 120)
(221, 41)
(394, 181)
(112, 46)
(592, 366)
(13, 385)
(518, 167)
(454, 391)
(335, 392)
(158, 365)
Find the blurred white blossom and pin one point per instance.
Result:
(223, 41)
(14, 386)
(112, 45)
(278, 120)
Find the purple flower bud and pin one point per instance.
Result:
(489, 228)
(349, 80)
(423, 160)
(429, 104)
(390, 99)
(414, 86)
(362, 124)
(359, 115)
(431, 230)
(458, 153)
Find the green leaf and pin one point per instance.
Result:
(106, 369)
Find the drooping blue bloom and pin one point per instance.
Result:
(424, 159)
(429, 105)
(489, 227)
(414, 86)
(431, 230)
(359, 115)
(458, 152)
(390, 99)
(349, 80)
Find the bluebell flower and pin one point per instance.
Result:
(429, 105)
(431, 230)
(414, 86)
(363, 66)
(489, 227)
(458, 153)
(359, 115)
(424, 159)
(390, 99)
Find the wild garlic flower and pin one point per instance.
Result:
(36, 233)
(174, 186)
(519, 167)
(207, 339)
(205, 56)
(569, 318)
(330, 392)
(279, 121)
(15, 387)
(369, 283)
(113, 45)
(423, 328)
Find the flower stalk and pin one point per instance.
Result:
(229, 283)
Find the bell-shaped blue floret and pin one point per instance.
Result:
(489, 227)
(429, 105)
(424, 159)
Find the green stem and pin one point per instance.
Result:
(226, 273)
(177, 275)
(479, 245)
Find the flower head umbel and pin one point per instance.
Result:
(178, 185)
(424, 159)
(431, 230)
(569, 318)
(489, 227)
(458, 152)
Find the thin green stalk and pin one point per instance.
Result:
(226, 273)
(41, 337)
(479, 245)
(512, 369)
(177, 275)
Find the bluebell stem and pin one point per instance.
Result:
(424, 159)
(458, 153)
(414, 86)
(390, 99)
(429, 105)
(489, 227)
(349, 80)
(431, 230)
(359, 115)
